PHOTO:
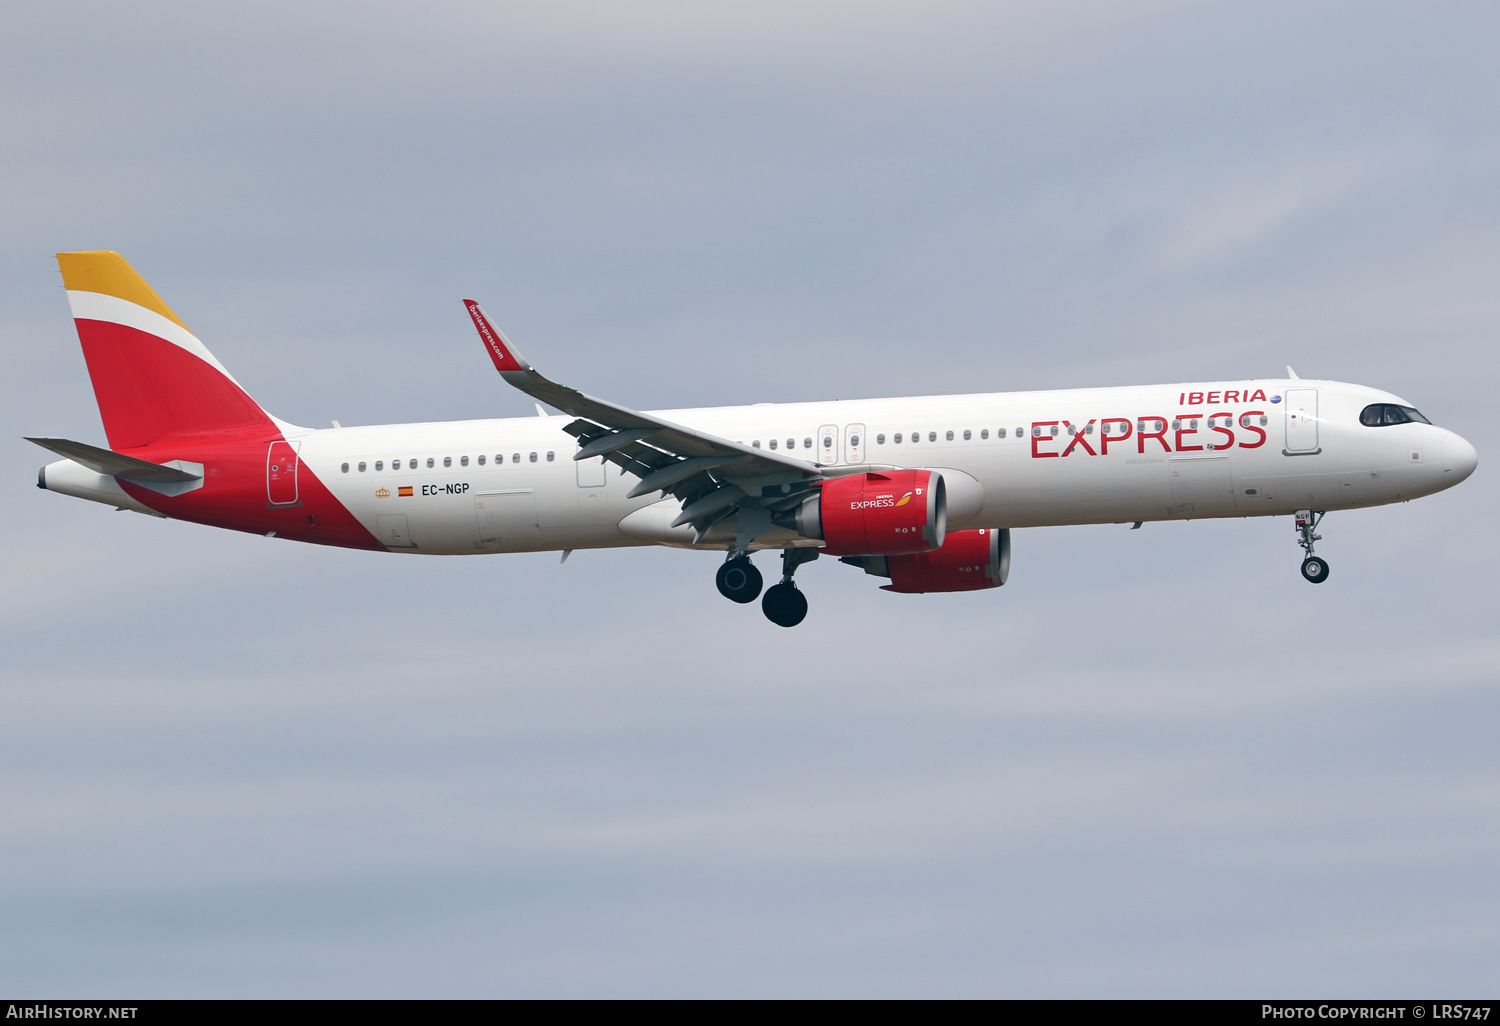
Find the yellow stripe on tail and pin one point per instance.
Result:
(107, 272)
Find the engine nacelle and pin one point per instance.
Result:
(968, 561)
(878, 514)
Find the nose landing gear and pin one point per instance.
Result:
(785, 605)
(1314, 568)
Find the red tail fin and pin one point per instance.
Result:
(152, 378)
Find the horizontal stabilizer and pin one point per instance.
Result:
(103, 461)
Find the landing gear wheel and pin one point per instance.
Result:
(1315, 569)
(738, 580)
(784, 605)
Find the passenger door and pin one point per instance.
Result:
(1301, 421)
(281, 473)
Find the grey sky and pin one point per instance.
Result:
(1155, 763)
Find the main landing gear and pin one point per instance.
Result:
(738, 580)
(1314, 568)
(784, 604)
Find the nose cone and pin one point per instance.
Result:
(1459, 460)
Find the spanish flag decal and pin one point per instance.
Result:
(403, 490)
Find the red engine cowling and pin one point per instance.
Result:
(968, 561)
(878, 514)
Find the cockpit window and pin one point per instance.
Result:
(1382, 414)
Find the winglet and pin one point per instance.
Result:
(501, 351)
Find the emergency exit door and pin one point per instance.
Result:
(828, 445)
(281, 474)
(854, 443)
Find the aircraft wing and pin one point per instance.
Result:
(712, 476)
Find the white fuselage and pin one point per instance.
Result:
(1017, 459)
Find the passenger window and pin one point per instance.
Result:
(773, 443)
(950, 436)
(807, 443)
(880, 439)
(551, 456)
(853, 439)
(932, 436)
(1036, 432)
(755, 444)
(379, 464)
(429, 463)
(791, 443)
(344, 468)
(898, 438)
(515, 457)
(1070, 429)
(533, 457)
(968, 434)
(1088, 429)
(827, 441)
(984, 433)
(361, 466)
(481, 461)
(463, 461)
(1019, 432)
(447, 461)
(916, 436)
(1054, 430)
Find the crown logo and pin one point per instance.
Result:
(383, 493)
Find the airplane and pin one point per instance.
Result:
(921, 491)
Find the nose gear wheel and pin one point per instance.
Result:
(1314, 568)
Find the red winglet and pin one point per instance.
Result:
(501, 351)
